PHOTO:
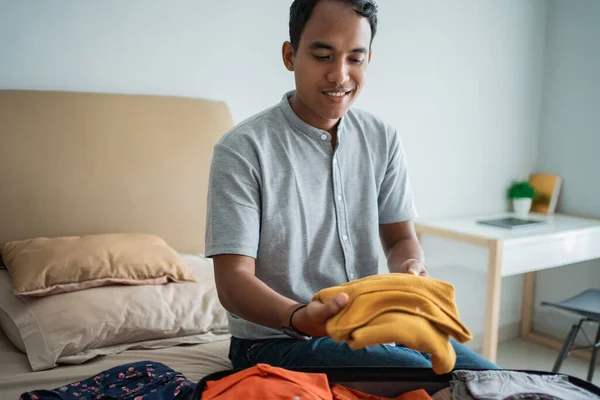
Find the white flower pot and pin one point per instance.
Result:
(522, 206)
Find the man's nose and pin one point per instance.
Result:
(338, 74)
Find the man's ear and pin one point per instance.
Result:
(287, 52)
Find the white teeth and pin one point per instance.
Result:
(336, 94)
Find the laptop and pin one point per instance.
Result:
(512, 222)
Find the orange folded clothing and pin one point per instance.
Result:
(411, 310)
(343, 393)
(266, 382)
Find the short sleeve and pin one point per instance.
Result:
(395, 199)
(233, 209)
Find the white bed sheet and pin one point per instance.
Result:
(193, 361)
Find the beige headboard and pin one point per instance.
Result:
(86, 163)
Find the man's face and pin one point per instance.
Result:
(330, 63)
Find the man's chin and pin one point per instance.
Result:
(336, 111)
(334, 114)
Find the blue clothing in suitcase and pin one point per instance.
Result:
(145, 380)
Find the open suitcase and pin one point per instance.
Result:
(389, 381)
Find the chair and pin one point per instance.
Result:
(587, 305)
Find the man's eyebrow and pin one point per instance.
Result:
(362, 50)
(321, 45)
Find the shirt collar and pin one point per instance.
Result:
(310, 130)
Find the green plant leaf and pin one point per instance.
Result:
(520, 190)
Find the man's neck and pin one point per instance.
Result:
(308, 116)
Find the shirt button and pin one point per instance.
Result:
(345, 237)
(339, 198)
(334, 161)
(351, 275)
(323, 137)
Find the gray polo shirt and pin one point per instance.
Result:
(309, 215)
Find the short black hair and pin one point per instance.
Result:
(301, 10)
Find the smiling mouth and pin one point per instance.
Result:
(337, 93)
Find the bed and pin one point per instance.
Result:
(77, 163)
(194, 362)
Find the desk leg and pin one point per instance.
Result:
(527, 305)
(492, 305)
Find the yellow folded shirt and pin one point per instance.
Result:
(414, 311)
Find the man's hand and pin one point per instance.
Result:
(312, 319)
(402, 248)
(413, 266)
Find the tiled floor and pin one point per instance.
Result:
(520, 354)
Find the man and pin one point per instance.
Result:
(303, 195)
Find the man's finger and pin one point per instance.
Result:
(342, 299)
(414, 270)
(334, 305)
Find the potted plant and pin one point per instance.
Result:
(522, 195)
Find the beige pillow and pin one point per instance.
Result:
(43, 266)
(71, 328)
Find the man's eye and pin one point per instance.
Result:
(357, 60)
(320, 58)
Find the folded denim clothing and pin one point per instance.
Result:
(532, 396)
(503, 385)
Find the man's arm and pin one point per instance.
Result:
(402, 249)
(247, 297)
(234, 217)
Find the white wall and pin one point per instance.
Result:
(569, 141)
(225, 50)
(460, 81)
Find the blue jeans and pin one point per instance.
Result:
(325, 352)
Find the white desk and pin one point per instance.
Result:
(561, 241)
